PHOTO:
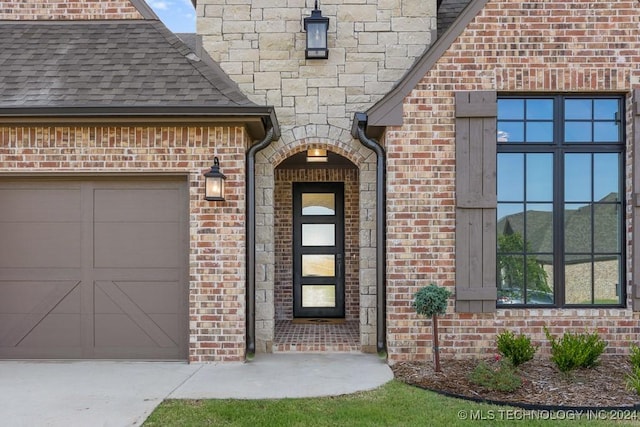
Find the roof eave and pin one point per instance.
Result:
(257, 119)
(388, 111)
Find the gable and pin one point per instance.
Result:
(518, 45)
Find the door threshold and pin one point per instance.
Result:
(317, 321)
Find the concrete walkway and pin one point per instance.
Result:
(122, 394)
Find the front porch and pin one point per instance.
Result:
(317, 335)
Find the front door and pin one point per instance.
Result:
(318, 249)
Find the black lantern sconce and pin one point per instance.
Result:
(214, 183)
(316, 27)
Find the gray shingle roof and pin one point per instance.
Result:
(448, 12)
(45, 64)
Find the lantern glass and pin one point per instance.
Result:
(214, 182)
(316, 35)
(214, 188)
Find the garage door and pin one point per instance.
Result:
(93, 269)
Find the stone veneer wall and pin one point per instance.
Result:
(511, 46)
(283, 293)
(261, 44)
(217, 229)
(67, 9)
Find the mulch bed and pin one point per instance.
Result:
(542, 383)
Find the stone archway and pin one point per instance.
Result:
(272, 271)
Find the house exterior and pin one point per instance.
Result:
(109, 250)
(485, 146)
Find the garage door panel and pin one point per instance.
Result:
(137, 245)
(93, 269)
(119, 330)
(134, 314)
(28, 204)
(25, 327)
(27, 297)
(55, 330)
(40, 245)
(150, 297)
(137, 205)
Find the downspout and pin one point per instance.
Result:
(251, 240)
(358, 131)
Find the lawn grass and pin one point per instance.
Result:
(394, 404)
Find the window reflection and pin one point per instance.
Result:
(540, 177)
(584, 250)
(318, 204)
(510, 177)
(577, 172)
(318, 265)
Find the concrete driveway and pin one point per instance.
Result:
(119, 394)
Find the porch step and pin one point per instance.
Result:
(317, 338)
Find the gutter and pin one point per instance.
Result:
(270, 136)
(358, 131)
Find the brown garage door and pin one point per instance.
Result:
(93, 269)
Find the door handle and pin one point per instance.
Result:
(339, 260)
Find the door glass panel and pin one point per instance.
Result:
(318, 204)
(319, 296)
(318, 234)
(318, 265)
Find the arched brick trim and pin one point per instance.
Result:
(300, 138)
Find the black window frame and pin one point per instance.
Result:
(558, 148)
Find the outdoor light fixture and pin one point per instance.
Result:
(214, 183)
(317, 155)
(316, 27)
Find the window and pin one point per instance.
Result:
(560, 177)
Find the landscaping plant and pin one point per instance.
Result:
(431, 301)
(575, 350)
(501, 376)
(633, 379)
(518, 349)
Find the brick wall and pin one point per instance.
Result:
(67, 9)
(511, 46)
(283, 292)
(217, 229)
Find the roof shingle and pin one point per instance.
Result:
(46, 64)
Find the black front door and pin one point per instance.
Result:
(318, 249)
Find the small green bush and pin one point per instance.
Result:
(431, 300)
(518, 349)
(633, 379)
(501, 376)
(634, 355)
(575, 350)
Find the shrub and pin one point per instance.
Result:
(431, 300)
(518, 349)
(575, 350)
(633, 379)
(634, 355)
(501, 376)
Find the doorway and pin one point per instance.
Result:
(318, 250)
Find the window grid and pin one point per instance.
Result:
(560, 265)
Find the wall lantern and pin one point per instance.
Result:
(214, 183)
(317, 155)
(316, 27)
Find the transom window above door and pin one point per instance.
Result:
(560, 189)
